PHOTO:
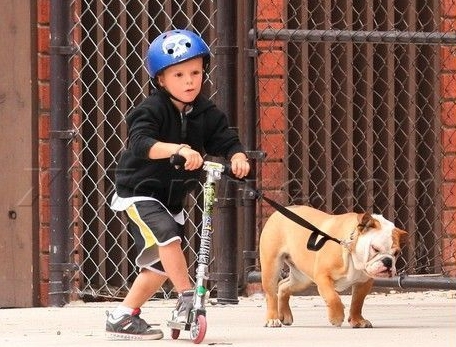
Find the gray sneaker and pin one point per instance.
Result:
(183, 307)
(131, 327)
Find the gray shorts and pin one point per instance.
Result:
(152, 226)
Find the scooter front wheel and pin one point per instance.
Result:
(198, 329)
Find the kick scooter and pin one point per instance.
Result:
(196, 320)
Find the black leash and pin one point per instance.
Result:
(312, 243)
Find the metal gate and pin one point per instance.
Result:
(355, 95)
(112, 39)
(350, 102)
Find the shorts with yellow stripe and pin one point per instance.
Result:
(152, 226)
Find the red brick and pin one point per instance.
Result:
(449, 270)
(44, 121)
(448, 8)
(449, 195)
(76, 10)
(44, 267)
(44, 239)
(265, 47)
(279, 196)
(449, 251)
(449, 25)
(449, 140)
(449, 167)
(44, 72)
(448, 58)
(271, 10)
(272, 90)
(448, 87)
(274, 146)
(43, 14)
(44, 96)
(45, 211)
(44, 160)
(449, 222)
(261, 25)
(449, 113)
(43, 39)
(271, 44)
(76, 118)
(273, 175)
(76, 174)
(272, 119)
(77, 66)
(43, 189)
(272, 64)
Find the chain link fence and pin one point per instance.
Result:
(110, 78)
(355, 122)
(350, 97)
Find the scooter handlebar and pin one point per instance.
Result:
(178, 161)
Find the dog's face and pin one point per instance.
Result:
(378, 245)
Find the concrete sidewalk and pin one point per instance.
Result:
(415, 319)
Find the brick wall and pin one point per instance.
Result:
(448, 92)
(43, 69)
(272, 95)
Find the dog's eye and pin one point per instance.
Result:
(375, 249)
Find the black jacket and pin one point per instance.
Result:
(157, 119)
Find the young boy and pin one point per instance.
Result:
(175, 118)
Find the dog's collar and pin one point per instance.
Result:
(347, 243)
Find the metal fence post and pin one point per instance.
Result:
(225, 53)
(60, 49)
(248, 119)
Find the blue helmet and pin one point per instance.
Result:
(173, 47)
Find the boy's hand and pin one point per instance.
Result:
(193, 159)
(240, 165)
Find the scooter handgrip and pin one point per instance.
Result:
(177, 160)
(227, 171)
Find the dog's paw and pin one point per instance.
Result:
(360, 323)
(273, 323)
(336, 319)
(285, 315)
(336, 315)
(287, 320)
(336, 323)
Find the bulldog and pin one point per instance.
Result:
(369, 249)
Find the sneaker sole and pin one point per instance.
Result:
(133, 337)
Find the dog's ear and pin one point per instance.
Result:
(366, 221)
(402, 235)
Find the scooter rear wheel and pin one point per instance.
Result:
(175, 334)
(198, 329)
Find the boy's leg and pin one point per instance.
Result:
(146, 284)
(149, 221)
(175, 265)
(124, 322)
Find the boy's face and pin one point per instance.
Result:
(183, 80)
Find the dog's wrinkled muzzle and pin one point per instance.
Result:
(383, 267)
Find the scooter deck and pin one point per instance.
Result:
(178, 325)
